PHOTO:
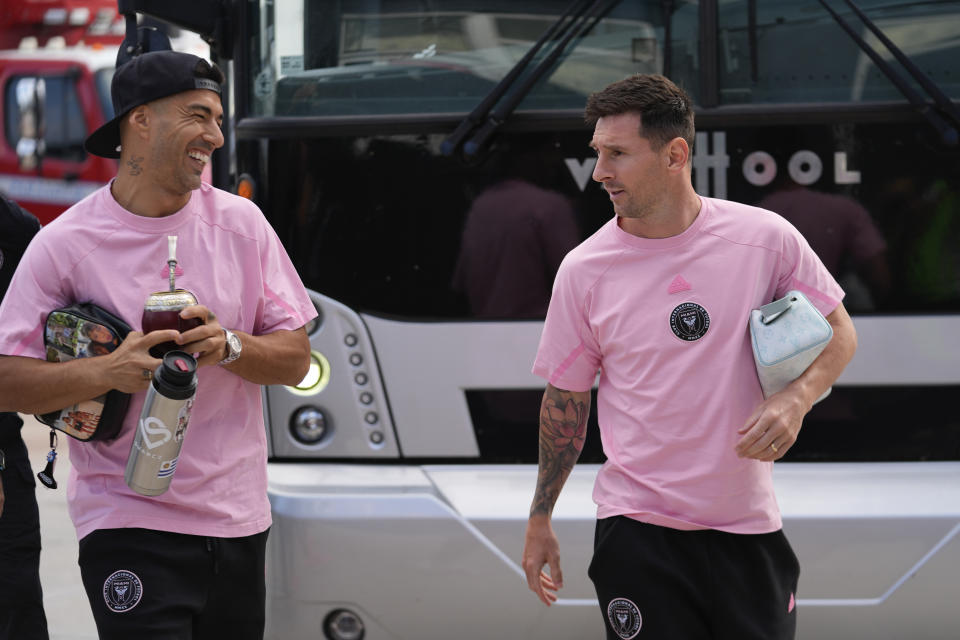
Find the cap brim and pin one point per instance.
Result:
(105, 141)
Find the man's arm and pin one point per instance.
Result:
(280, 357)
(778, 419)
(31, 385)
(563, 427)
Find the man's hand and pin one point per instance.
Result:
(773, 427)
(540, 549)
(207, 340)
(563, 428)
(130, 365)
(32, 385)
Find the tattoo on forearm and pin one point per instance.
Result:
(563, 427)
(134, 165)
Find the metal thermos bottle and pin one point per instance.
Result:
(162, 425)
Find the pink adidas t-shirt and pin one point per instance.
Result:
(665, 322)
(232, 260)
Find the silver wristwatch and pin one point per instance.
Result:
(234, 346)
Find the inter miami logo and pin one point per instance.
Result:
(689, 321)
(122, 591)
(624, 618)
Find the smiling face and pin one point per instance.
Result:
(185, 131)
(631, 171)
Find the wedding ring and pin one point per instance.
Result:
(147, 374)
(774, 447)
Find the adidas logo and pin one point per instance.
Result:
(678, 285)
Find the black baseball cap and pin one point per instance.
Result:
(149, 76)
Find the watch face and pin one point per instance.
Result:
(233, 347)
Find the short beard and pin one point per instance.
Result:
(634, 211)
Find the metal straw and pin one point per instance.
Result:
(172, 260)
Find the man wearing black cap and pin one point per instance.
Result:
(189, 562)
(21, 597)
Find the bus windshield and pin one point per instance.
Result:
(379, 57)
(387, 57)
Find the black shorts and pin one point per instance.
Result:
(654, 582)
(154, 585)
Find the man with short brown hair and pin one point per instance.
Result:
(688, 540)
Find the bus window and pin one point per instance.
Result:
(377, 58)
(795, 52)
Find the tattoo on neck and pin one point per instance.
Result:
(134, 165)
(563, 427)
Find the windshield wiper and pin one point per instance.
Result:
(949, 134)
(475, 117)
(495, 120)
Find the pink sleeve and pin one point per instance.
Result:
(285, 303)
(801, 269)
(568, 356)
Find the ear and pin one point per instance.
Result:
(677, 154)
(138, 121)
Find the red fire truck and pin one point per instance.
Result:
(52, 99)
(69, 21)
(56, 62)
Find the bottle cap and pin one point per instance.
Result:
(177, 376)
(179, 366)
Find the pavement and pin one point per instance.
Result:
(65, 601)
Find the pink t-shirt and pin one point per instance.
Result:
(665, 322)
(232, 260)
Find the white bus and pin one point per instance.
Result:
(403, 468)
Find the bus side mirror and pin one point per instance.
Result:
(30, 95)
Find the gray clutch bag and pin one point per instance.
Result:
(787, 336)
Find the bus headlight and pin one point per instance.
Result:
(343, 624)
(309, 425)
